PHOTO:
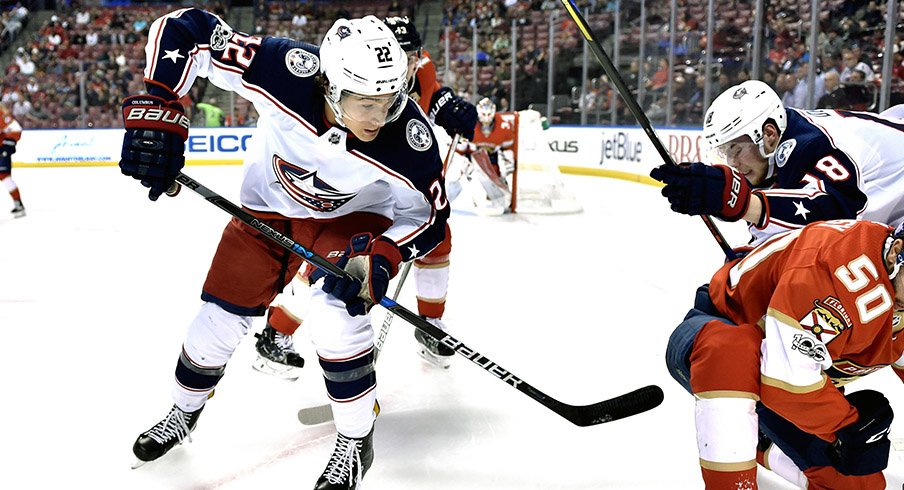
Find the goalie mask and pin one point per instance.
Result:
(741, 111)
(365, 69)
(486, 111)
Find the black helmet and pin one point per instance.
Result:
(405, 32)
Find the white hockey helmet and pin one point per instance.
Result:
(361, 57)
(486, 111)
(742, 110)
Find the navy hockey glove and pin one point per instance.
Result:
(372, 263)
(8, 148)
(696, 188)
(452, 113)
(153, 149)
(862, 448)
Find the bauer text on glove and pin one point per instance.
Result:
(696, 188)
(153, 148)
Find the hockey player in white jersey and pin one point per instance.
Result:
(341, 162)
(783, 168)
(789, 167)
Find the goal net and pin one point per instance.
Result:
(537, 185)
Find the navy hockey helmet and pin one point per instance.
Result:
(405, 32)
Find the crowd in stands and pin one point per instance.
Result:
(849, 61)
(74, 70)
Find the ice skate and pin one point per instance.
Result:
(162, 437)
(435, 353)
(18, 210)
(276, 355)
(349, 462)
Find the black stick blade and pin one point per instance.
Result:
(633, 403)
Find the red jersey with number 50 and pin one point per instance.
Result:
(826, 304)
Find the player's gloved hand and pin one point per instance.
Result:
(372, 263)
(696, 188)
(153, 149)
(452, 113)
(7, 148)
(862, 448)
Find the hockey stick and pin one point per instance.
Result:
(320, 414)
(635, 109)
(622, 406)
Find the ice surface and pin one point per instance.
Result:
(99, 284)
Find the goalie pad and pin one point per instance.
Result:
(495, 189)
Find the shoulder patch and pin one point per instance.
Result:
(418, 135)
(220, 37)
(784, 151)
(302, 63)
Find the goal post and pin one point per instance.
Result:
(537, 184)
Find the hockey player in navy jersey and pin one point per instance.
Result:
(341, 162)
(789, 167)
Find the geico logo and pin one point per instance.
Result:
(228, 143)
(156, 114)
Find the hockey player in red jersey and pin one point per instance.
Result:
(786, 167)
(10, 132)
(345, 164)
(454, 115)
(772, 340)
(492, 156)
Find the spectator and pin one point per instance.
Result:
(832, 80)
(851, 63)
(213, 115)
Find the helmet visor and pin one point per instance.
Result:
(378, 109)
(734, 152)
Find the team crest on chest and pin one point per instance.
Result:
(220, 37)
(307, 189)
(418, 135)
(302, 63)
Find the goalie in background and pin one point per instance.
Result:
(770, 343)
(9, 135)
(492, 160)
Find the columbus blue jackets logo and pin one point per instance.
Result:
(783, 152)
(418, 135)
(343, 32)
(220, 37)
(307, 189)
(302, 63)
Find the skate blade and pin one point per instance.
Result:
(433, 360)
(19, 214)
(275, 369)
(138, 464)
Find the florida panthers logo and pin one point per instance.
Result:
(307, 189)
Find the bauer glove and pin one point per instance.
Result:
(862, 447)
(371, 263)
(153, 149)
(452, 113)
(696, 188)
